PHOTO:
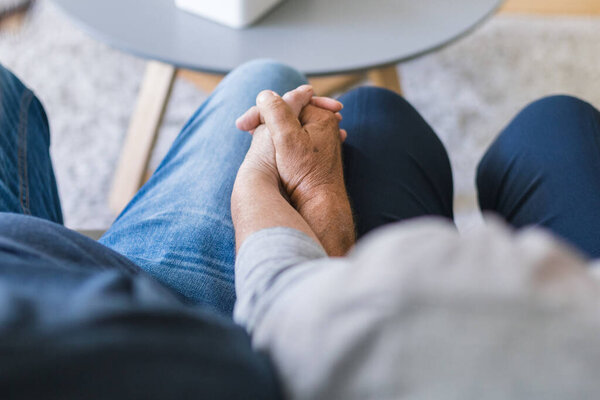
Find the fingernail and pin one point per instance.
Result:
(265, 95)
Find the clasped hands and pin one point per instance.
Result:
(296, 151)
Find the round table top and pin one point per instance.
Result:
(318, 37)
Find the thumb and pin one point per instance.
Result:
(299, 98)
(278, 116)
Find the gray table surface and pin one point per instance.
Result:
(318, 37)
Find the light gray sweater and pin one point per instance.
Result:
(418, 311)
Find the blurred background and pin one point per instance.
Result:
(467, 92)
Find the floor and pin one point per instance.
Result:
(557, 7)
(467, 92)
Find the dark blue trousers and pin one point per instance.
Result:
(543, 169)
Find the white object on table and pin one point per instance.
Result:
(233, 13)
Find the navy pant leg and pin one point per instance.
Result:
(544, 169)
(396, 167)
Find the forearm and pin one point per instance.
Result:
(257, 204)
(328, 213)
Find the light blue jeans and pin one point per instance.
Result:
(178, 227)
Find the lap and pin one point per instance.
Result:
(178, 227)
(396, 167)
(543, 170)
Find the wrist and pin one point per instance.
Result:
(251, 181)
(319, 195)
(257, 173)
(327, 211)
(257, 203)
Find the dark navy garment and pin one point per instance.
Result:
(81, 321)
(544, 170)
(395, 165)
(78, 321)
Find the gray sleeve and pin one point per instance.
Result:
(270, 256)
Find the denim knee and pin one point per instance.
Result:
(275, 72)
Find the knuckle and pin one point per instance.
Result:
(305, 113)
(325, 116)
(277, 104)
(331, 119)
(268, 101)
(292, 96)
(327, 120)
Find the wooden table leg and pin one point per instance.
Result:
(204, 81)
(386, 77)
(142, 133)
(329, 85)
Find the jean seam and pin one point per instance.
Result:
(23, 172)
(595, 118)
